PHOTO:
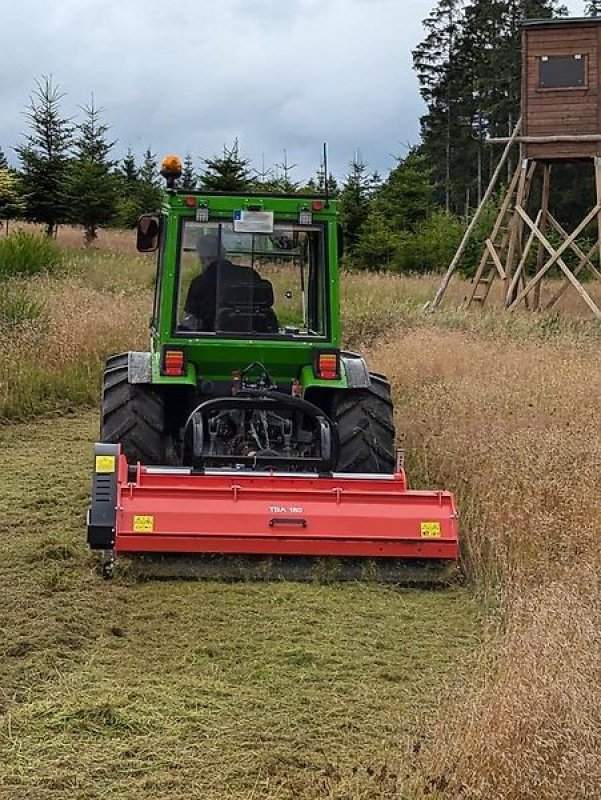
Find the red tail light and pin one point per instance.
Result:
(327, 366)
(174, 363)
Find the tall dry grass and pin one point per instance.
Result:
(52, 354)
(513, 428)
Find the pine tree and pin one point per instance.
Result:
(355, 202)
(3, 160)
(149, 194)
(12, 204)
(436, 65)
(188, 179)
(91, 186)
(45, 156)
(128, 173)
(407, 196)
(227, 173)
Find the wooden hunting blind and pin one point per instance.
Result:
(560, 122)
(561, 72)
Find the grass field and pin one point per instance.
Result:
(176, 690)
(180, 690)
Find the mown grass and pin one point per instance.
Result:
(176, 690)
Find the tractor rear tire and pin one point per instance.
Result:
(365, 422)
(133, 415)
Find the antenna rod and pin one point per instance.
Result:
(325, 174)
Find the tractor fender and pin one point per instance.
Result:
(139, 367)
(356, 371)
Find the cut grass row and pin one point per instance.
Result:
(173, 690)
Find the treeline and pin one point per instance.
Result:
(468, 67)
(67, 175)
(469, 71)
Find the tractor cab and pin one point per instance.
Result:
(232, 280)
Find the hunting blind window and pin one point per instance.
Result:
(562, 72)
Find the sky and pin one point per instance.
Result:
(191, 75)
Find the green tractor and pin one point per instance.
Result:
(245, 391)
(270, 325)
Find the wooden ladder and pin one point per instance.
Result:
(497, 246)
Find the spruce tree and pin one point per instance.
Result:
(3, 160)
(355, 202)
(188, 179)
(264, 178)
(318, 186)
(149, 194)
(228, 172)
(128, 173)
(469, 69)
(436, 64)
(127, 176)
(283, 180)
(12, 203)
(407, 196)
(91, 186)
(45, 156)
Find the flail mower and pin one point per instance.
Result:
(245, 442)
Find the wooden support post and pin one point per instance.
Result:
(598, 188)
(470, 229)
(514, 250)
(540, 255)
(519, 275)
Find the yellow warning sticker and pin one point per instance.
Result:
(143, 524)
(105, 464)
(431, 530)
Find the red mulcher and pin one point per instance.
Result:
(354, 518)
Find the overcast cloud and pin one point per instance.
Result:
(190, 75)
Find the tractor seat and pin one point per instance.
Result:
(246, 307)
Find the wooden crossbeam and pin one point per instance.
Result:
(566, 283)
(556, 258)
(587, 262)
(519, 270)
(470, 229)
(496, 260)
(490, 242)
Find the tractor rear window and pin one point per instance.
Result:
(269, 284)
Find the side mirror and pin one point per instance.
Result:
(147, 240)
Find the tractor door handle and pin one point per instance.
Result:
(294, 522)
